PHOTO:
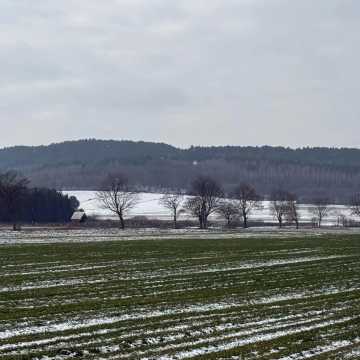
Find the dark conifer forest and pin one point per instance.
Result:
(21, 203)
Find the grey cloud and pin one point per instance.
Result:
(251, 71)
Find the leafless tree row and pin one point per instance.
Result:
(284, 207)
(207, 197)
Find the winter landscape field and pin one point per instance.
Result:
(180, 180)
(150, 207)
(98, 295)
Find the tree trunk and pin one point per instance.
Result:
(201, 222)
(245, 224)
(122, 222)
(205, 224)
(175, 222)
(16, 227)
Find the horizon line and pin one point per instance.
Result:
(185, 147)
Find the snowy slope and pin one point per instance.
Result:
(149, 206)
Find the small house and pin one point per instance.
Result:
(79, 217)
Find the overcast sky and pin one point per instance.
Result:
(243, 72)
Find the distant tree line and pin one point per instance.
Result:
(20, 203)
(80, 165)
(207, 197)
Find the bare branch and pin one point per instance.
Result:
(173, 202)
(248, 200)
(279, 205)
(320, 209)
(117, 197)
(355, 204)
(207, 197)
(229, 211)
(292, 212)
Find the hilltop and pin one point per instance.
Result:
(82, 164)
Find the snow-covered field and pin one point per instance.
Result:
(184, 298)
(149, 206)
(51, 235)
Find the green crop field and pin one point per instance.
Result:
(286, 298)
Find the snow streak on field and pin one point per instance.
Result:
(286, 298)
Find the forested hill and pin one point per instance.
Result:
(83, 152)
(82, 164)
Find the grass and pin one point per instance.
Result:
(171, 299)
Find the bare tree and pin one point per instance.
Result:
(12, 188)
(248, 201)
(340, 218)
(320, 209)
(279, 206)
(292, 210)
(228, 211)
(117, 197)
(173, 202)
(355, 204)
(207, 197)
(194, 206)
